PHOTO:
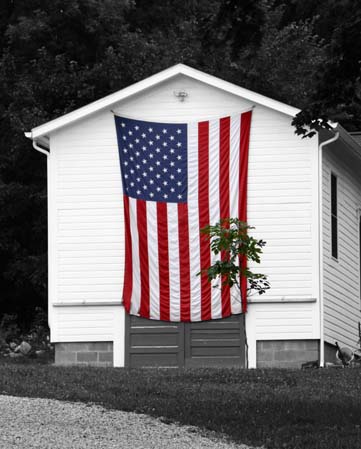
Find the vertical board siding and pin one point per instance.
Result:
(88, 241)
(342, 276)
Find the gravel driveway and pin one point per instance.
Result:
(45, 423)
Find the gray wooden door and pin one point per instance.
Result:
(216, 343)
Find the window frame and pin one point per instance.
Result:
(334, 216)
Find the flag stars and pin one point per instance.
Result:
(153, 162)
(122, 124)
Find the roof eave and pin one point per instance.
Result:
(179, 69)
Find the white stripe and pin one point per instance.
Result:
(236, 305)
(135, 299)
(193, 216)
(214, 214)
(153, 259)
(174, 275)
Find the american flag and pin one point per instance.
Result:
(178, 178)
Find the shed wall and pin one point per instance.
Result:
(342, 276)
(87, 217)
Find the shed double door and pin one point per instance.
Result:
(216, 343)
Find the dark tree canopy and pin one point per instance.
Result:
(57, 56)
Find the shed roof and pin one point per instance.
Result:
(41, 133)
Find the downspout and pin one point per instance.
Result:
(47, 153)
(41, 150)
(320, 240)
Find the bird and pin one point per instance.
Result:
(345, 355)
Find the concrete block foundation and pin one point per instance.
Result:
(286, 353)
(84, 353)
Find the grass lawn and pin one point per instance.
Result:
(275, 408)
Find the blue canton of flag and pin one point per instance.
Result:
(153, 158)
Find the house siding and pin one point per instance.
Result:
(342, 276)
(87, 226)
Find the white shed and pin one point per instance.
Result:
(304, 199)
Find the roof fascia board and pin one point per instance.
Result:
(153, 80)
(349, 141)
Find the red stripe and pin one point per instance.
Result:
(243, 177)
(143, 258)
(224, 148)
(203, 204)
(128, 269)
(163, 261)
(184, 263)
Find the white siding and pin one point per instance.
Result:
(342, 276)
(87, 237)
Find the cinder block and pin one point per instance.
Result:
(64, 358)
(265, 356)
(100, 346)
(286, 353)
(87, 356)
(105, 357)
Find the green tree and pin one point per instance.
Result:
(230, 238)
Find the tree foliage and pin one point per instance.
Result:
(230, 239)
(57, 56)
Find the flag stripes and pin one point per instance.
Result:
(164, 249)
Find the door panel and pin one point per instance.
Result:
(216, 343)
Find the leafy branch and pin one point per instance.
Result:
(229, 238)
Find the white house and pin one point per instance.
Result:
(304, 199)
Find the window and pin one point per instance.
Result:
(334, 239)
